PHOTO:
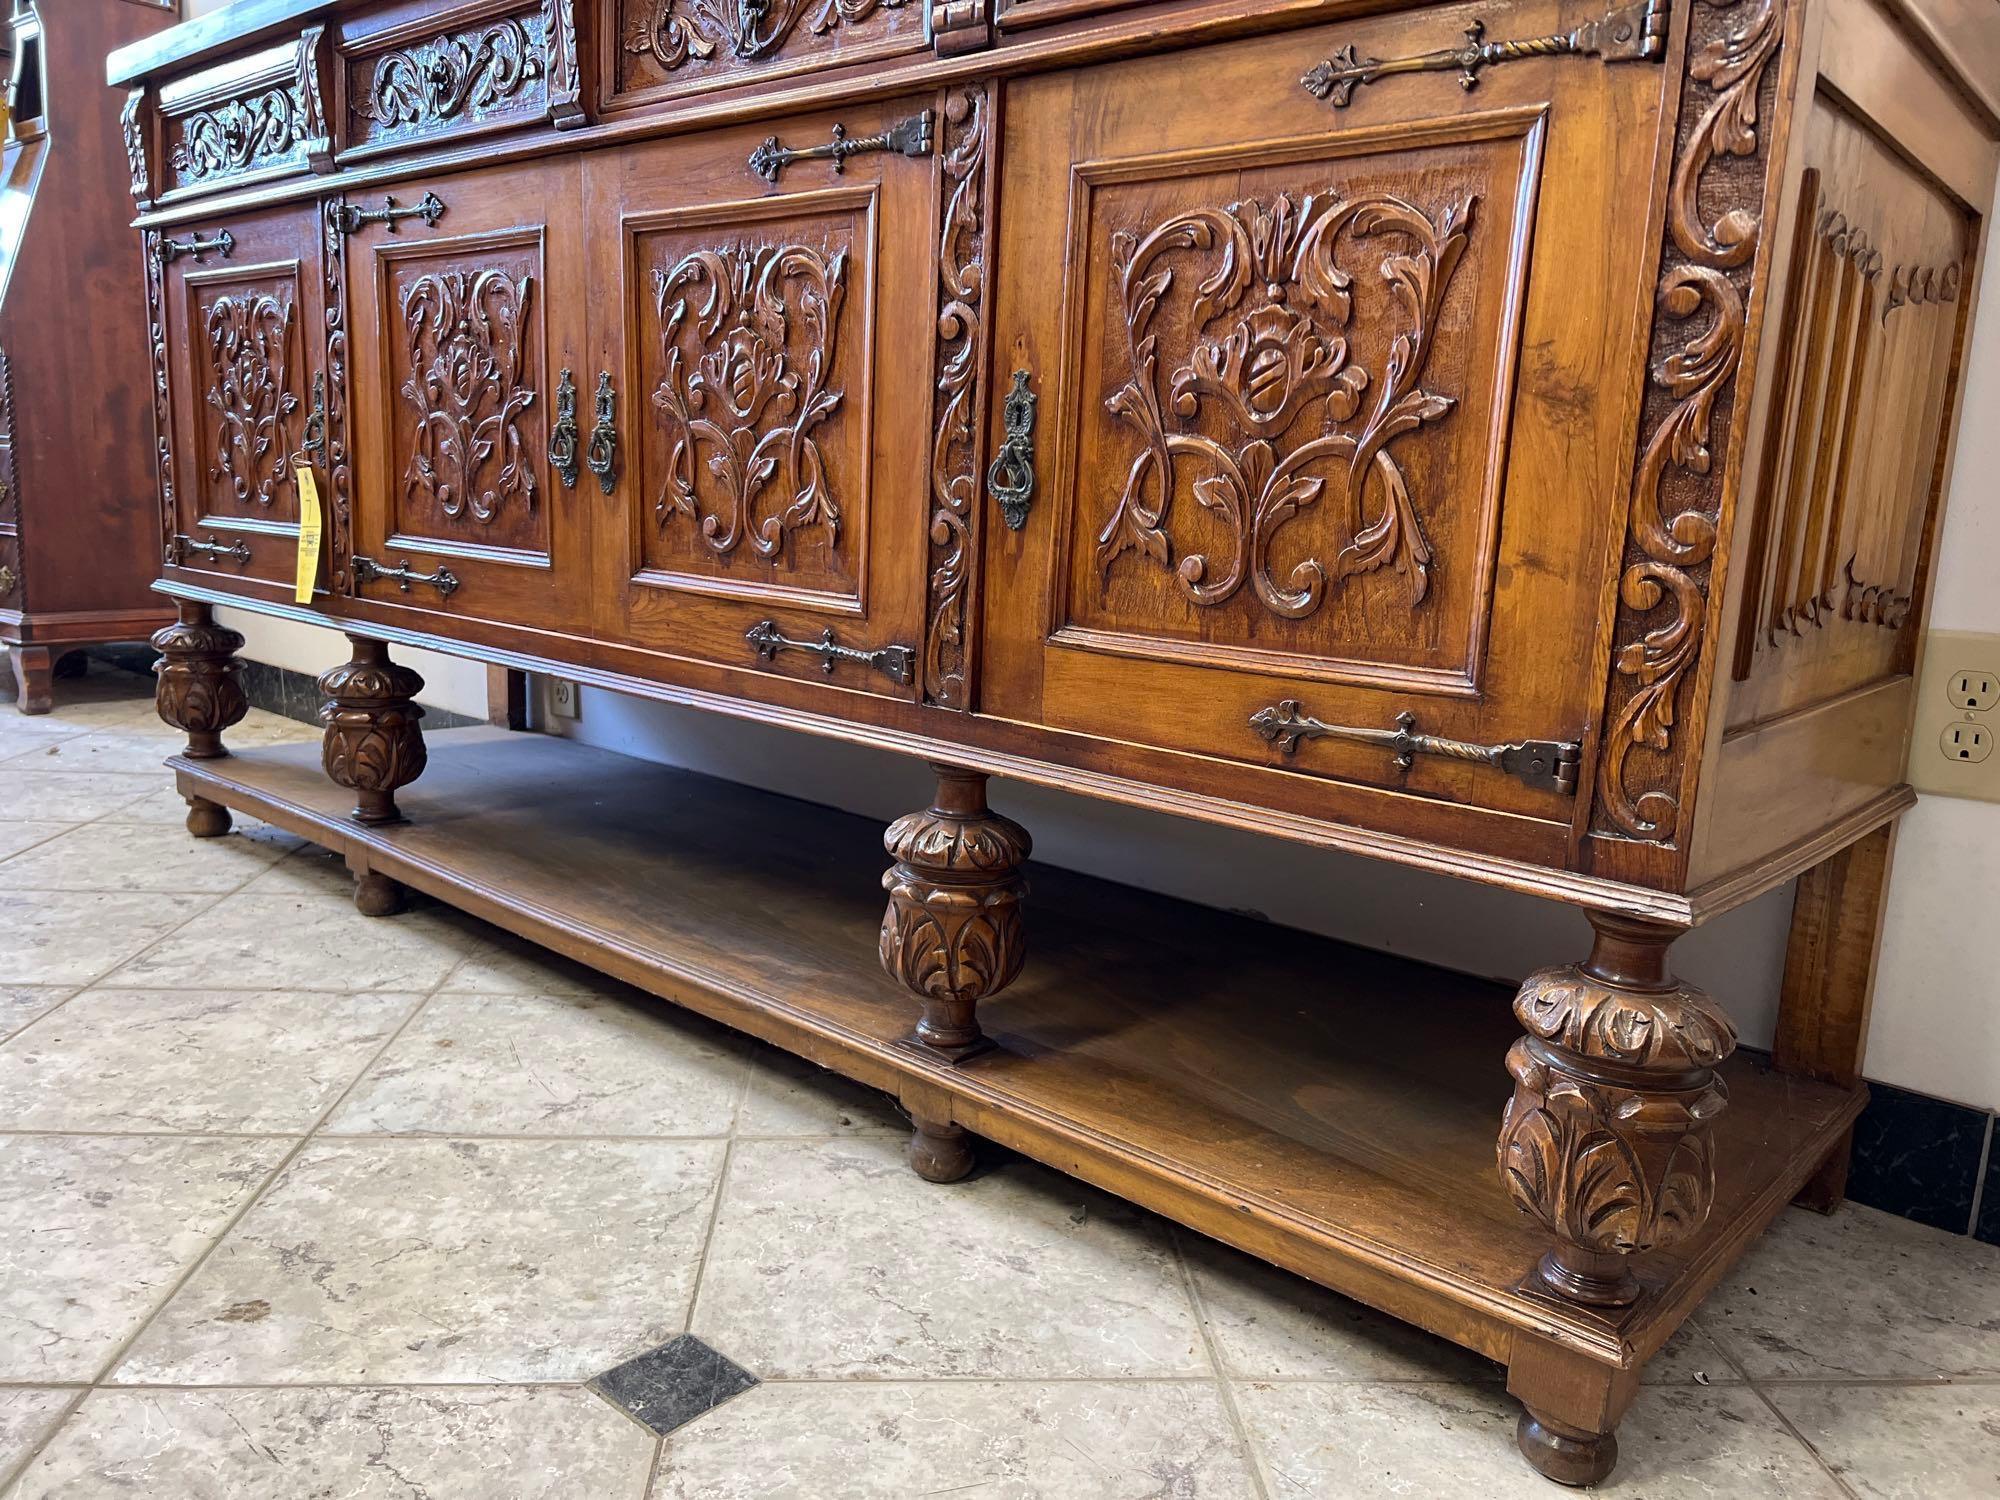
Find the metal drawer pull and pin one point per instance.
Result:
(1011, 479)
(443, 580)
(912, 137)
(603, 454)
(1632, 33)
(172, 250)
(351, 220)
(8, 578)
(1549, 764)
(563, 436)
(183, 545)
(894, 662)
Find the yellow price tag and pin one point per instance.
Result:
(309, 531)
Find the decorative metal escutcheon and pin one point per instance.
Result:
(1011, 479)
(563, 438)
(603, 455)
(1548, 764)
(897, 663)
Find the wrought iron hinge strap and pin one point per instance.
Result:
(897, 663)
(238, 551)
(1549, 764)
(1631, 33)
(172, 250)
(351, 220)
(443, 580)
(915, 136)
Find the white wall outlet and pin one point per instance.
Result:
(1958, 717)
(564, 700)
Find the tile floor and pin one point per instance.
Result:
(297, 1204)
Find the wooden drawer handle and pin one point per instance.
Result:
(1549, 764)
(443, 580)
(348, 219)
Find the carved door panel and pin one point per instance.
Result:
(1322, 483)
(466, 317)
(243, 314)
(766, 321)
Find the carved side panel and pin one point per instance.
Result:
(1689, 433)
(248, 352)
(486, 73)
(1845, 490)
(339, 536)
(252, 117)
(1296, 379)
(163, 424)
(676, 46)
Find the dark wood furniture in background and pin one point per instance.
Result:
(1504, 439)
(77, 547)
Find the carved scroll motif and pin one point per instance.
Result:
(466, 333)
(748, 335)
(132, 123)
(156, 334)
(467, 73)
(333, 257)
(1704, 275)
(955, 455)
(249, 348)
(260, 130)
(1280, 305)
(673, 32)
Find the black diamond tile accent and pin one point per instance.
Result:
(1917, 1157)
(670, 1386)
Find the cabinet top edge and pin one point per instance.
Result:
(234, 25)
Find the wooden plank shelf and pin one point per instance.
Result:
(1329, 1108)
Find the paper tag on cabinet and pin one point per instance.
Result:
(309, 529)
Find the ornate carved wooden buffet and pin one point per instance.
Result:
(1506, 439)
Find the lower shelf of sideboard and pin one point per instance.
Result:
(1330, 1108)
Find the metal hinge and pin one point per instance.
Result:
(915, 136)
(1548, 764)
(443, 580)
(347, 219)
(171, 250)
(1631, 33)
(897, 663)
(238, 551)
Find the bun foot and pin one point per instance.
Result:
(377, 895)
(940, 1153)
(1564, 1454)
(206, 819)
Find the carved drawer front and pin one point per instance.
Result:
(1845, 497)
(411, 76)
(770, 345)
(468, 303)
(1319, 479)
(657, 49)
(244, 314)
(1022, 15)
(257, 116)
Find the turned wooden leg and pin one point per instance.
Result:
(939, 1152)
(1565, 1454)
(952, 933)
(1607, 1138)
(206, 819)
(32, 667)
(200, 681)
(374, 737)
(1571, 1406)
(376, 895)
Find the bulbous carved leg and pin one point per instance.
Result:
(1607, 1138)
(200, 688)
(952, 933)
(374, 737)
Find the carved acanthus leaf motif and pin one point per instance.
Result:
(741, 397)
(466, 332)
(258, 130)
(1664, 589)
(132, 122)
(1281, 357)
(468, 72)
(1679, 1027)
(672, 32)
(249, 348)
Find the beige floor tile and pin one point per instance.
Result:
(76, 796)
(1902, 1442)
(789, 1096)
(443, 1261)
(114, 750)
(26, 1417)
(550, 1065)
(97, 1229)
(293, 942)
(164, 806)
(502, 964)
(72, 937)
(1861, 1293)
(225, 1061)
(1358, 1442)
(454, 1444)
(21, 736)
(118, 857)
(21, 1003)
(1168, 1440)
(307, 871)
(28, 832)
(834, 1259)
(1268, 1324)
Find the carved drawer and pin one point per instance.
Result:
(257, 116)
(1321, 485)
(660, 49)
(1022, 15)
(240, 301)
(414, 74)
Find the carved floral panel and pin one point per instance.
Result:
(1291, 382)
(675, 44)
(470, 75)
(251, 419)
(263, 114)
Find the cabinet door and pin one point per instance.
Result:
(769, 345)
(243, 307)
(464, 321)
(1328, 447)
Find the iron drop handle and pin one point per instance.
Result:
(1011, 479)
(603, 454)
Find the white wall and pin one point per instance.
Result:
(450, 682)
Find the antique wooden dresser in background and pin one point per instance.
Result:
(76, 548)
(1505, 438)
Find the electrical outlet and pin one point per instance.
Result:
(563, 698)
(1958, 717)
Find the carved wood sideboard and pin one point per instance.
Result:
(1506, 439)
